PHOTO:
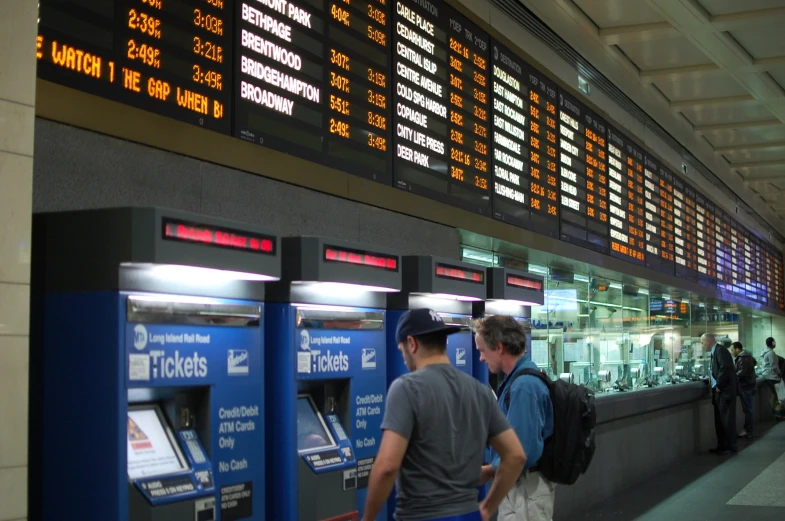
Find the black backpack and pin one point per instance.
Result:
(569, 450)
(781, 365)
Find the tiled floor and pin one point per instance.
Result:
(749, 486)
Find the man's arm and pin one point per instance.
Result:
(512, 459)
(385, 469)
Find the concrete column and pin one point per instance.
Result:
(18, 28)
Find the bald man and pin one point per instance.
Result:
(724, 388)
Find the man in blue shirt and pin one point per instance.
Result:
(501, 341)
(724, 388)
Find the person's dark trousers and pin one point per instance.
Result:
(746, 405)
(724, 421)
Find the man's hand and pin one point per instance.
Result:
(486, 474)
(485, 514)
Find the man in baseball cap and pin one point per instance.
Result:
(437, 423)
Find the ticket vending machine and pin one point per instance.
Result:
(447, 286)
(326, 376)
(147, 366)
(512, 292)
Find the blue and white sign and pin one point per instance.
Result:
(369, 359)
(237, 362)
(460, 356)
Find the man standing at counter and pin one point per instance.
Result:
(526, 401)
(724, 387)
(437, 423)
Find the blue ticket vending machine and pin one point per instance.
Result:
(449, 287)
(326, 376)
(446, 286)
(147, 366)
(513, 292)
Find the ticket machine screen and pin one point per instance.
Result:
(152, 450)
(312, 433)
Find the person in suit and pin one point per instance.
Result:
(724, 389)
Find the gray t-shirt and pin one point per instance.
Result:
(448, 418)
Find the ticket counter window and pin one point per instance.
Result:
(312, 433)
(152, 450)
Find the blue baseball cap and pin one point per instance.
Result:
(417, 322)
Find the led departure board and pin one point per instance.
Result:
(625, 199)
(688, 270)
(357, 81)
(724, 253)
(172, 57)
(700, 240)
(660, 236)
(442, 106)
(680, 250)
(525, 142)
(583, 175)
(736, 264)
(710, 242)
(312, 79)
(543, 154)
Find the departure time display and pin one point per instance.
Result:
(583, 170)
(660, 236)
(442, 106)
(525, 145)
(169, 57)
(625, 184)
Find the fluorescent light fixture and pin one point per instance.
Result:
(701, 305)
(515, 302)
(685, 301)
(449, 296)
(478, 255)
(666, 296)
(582, 315)
(197, 274)
(174, 299)
(536, 268)
(343, 288)
(615, 285)
(643, 291)
(320, 307)
(580, 278)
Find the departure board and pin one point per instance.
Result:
(172, 57)
(724, 253)
(442, 106)
(525, 145)
(543, 154)
(583, 175)
(625, 199)
(357, 88)
(737, 263)
(688, 270)
(711, 248)
(660, 236)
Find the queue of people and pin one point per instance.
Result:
(736, 372)
(438, 422)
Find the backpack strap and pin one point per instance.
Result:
(533, 372)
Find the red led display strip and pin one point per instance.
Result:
(373, 260)
(449, 272)
(520, 282)
(174, 230)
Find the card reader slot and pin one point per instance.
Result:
(142, 309)
(325, 318)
